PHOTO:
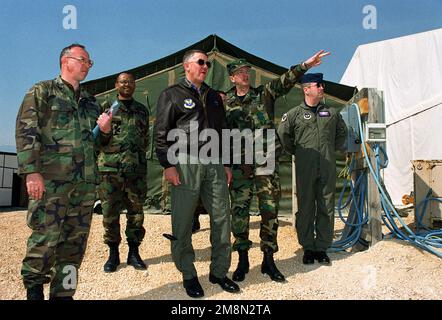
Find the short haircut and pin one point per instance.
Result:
(189, 54)
(67, 50)
(125, 72)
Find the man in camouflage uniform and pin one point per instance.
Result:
(253, 108)
(313, 132)
(57, 156)
(122, 165)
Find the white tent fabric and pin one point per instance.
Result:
(409, 72)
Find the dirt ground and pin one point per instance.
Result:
(391, 269)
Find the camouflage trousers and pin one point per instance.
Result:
(118, 192)
(60, 224)
(267, 188)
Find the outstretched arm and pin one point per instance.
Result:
(316, 59)
(282, 85)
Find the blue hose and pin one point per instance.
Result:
(357, 216)
(427, 242)
(358, 211)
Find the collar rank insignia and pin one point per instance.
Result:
(189, 104)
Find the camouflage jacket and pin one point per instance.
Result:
(126, 152)
(257, 109)
(54, 133)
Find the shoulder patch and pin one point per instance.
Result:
(284, 117)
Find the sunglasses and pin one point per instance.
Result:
(244, 71)
(202, 62)
(319, 85)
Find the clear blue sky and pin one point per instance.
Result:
(124, 34)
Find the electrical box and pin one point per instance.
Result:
(350, 117)
(375, 132)
(428, 175)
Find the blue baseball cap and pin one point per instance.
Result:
(312, 77)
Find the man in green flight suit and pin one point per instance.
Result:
(312, 132)
(249, 108)
(122, 165)
(57, 156)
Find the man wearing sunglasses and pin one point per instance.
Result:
(123, 165)
(196, 226)
(312, 132)
(254, 108)
(57, 157)
(193, 101)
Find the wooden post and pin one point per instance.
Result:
(375, 115)
(370, 102)
(294, 197)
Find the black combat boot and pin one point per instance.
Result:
(35, 292)
(133, 258)
(193, 288)
(114, 258)
(322, 257)
(52, 298)
(196, 223)
(243, 266)
(268, 266)
(308, 257)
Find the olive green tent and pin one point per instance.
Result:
(154, 77)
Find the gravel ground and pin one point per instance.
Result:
(391, 269)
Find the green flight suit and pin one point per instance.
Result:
(313, 138)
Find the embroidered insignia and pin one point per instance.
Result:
(324, 114)
(189, 104)
(284, 117)
(307, 116)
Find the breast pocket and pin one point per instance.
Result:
(327, 128)
(140, 125)
(57, 159)
(305, 132)
(240, 119)
(62, 116)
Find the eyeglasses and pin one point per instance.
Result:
(126, 82)
(83, 60)
(202, 62)
(318, 84)
(246, 71)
